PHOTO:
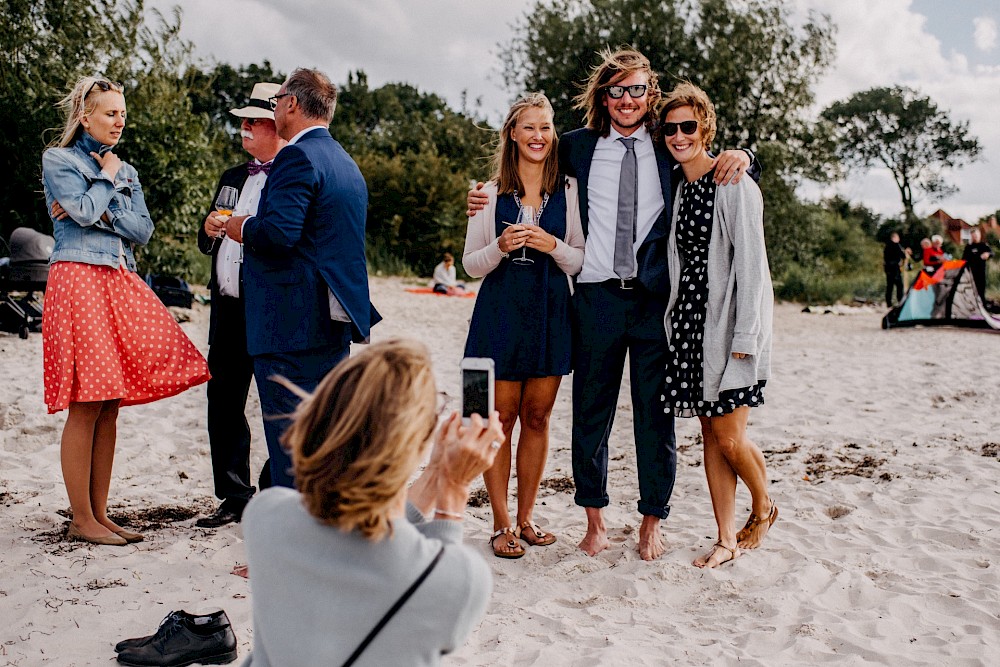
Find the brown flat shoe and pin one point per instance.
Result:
(533, 535)
(74, 533)
(754, 524)
(703, 561)
(129, 536)
(509, 540)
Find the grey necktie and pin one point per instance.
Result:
(627, 205)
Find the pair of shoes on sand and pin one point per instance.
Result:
(182, 639)
(510, 545)
(749, 537)
(119, 538)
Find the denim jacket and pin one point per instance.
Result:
(73, 178)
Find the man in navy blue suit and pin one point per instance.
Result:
(304, 270)
(621, 297)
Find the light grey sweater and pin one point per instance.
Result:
(740, 297)
(317, 591)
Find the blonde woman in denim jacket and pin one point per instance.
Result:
(107, 339)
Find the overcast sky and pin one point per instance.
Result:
(949, 51)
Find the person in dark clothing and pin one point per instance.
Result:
(975, 256)
(892, 256)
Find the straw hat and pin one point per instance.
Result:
(258, 106)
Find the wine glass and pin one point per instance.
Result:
(225, 203)
(525, 217)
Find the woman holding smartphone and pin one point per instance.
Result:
(718, 319)
(107, 340)
(521, 317)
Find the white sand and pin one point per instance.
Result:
(901, 567)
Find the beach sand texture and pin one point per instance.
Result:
(883, 455)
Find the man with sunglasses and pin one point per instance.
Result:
(230, 364)
(304, 268)
(626, 182)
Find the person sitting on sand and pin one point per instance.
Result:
(331, 559)
(719, 336)
(445, 278)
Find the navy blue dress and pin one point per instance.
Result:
(521, 318)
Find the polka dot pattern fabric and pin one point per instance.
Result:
(106, 335)
(683, 386)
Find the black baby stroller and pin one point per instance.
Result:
(22, 274)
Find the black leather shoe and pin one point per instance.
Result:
(218, 619)
(208, 640)
(224, 515)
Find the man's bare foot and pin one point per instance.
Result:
(651, 544)
(596, 539)
(719, 554)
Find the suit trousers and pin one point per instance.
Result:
(609, 322)
(228, 429)
(305, 369)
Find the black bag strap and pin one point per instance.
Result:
(396, 607)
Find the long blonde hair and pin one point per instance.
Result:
(357, 439)
(505, 173)
(616, 66)
(81, 101)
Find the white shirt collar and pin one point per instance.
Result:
(641, 134)
(305, 131)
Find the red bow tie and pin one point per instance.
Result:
(253, 168)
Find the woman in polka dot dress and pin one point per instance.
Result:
(107, 339)
(718, 319)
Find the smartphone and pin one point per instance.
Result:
(477, 388)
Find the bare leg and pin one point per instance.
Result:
(105, 436)
(651, 544)
(533, 445)
(76, 457)
(722, 488)
(497, 477)
(747, 461)
(596, 539)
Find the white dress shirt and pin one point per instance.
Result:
(227, 263)
(602, 201)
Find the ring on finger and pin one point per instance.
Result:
(495, 444)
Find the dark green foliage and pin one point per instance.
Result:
(905, 132)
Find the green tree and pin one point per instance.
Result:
(906, 133)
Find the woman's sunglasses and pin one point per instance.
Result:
(104, 86)
(686, 126)
(617, 92)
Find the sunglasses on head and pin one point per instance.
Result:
(104, 86)
(686, 126)
(617, 92)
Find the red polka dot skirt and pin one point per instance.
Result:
(106, 335)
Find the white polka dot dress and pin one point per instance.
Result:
(684, 374)
(106, 335)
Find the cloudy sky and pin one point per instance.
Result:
(949, 51)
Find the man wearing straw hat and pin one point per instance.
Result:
(230, 364)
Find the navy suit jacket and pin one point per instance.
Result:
(576, 152)
(237, 178)
(308, 237)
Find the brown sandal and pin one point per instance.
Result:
(734, 553)
(514, 548)
(533, 535)
(754, 522)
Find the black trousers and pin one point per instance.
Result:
(608, 323)
(228, 430)
(893, 278)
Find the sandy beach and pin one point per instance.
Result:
(884, 458)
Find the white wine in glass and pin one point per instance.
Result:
(526, 217)
(225, 203)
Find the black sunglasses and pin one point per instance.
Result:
(273, 101)
(686, 126)
(104, 86)
(617, 92)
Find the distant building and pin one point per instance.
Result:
(960, 231)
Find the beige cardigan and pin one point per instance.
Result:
(482, 254)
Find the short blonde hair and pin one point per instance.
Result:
(505, 173)
(615, 66)
(357, 439)
(686, 94)
(79, 102)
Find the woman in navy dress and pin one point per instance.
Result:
(521, 318)
(718, 319)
